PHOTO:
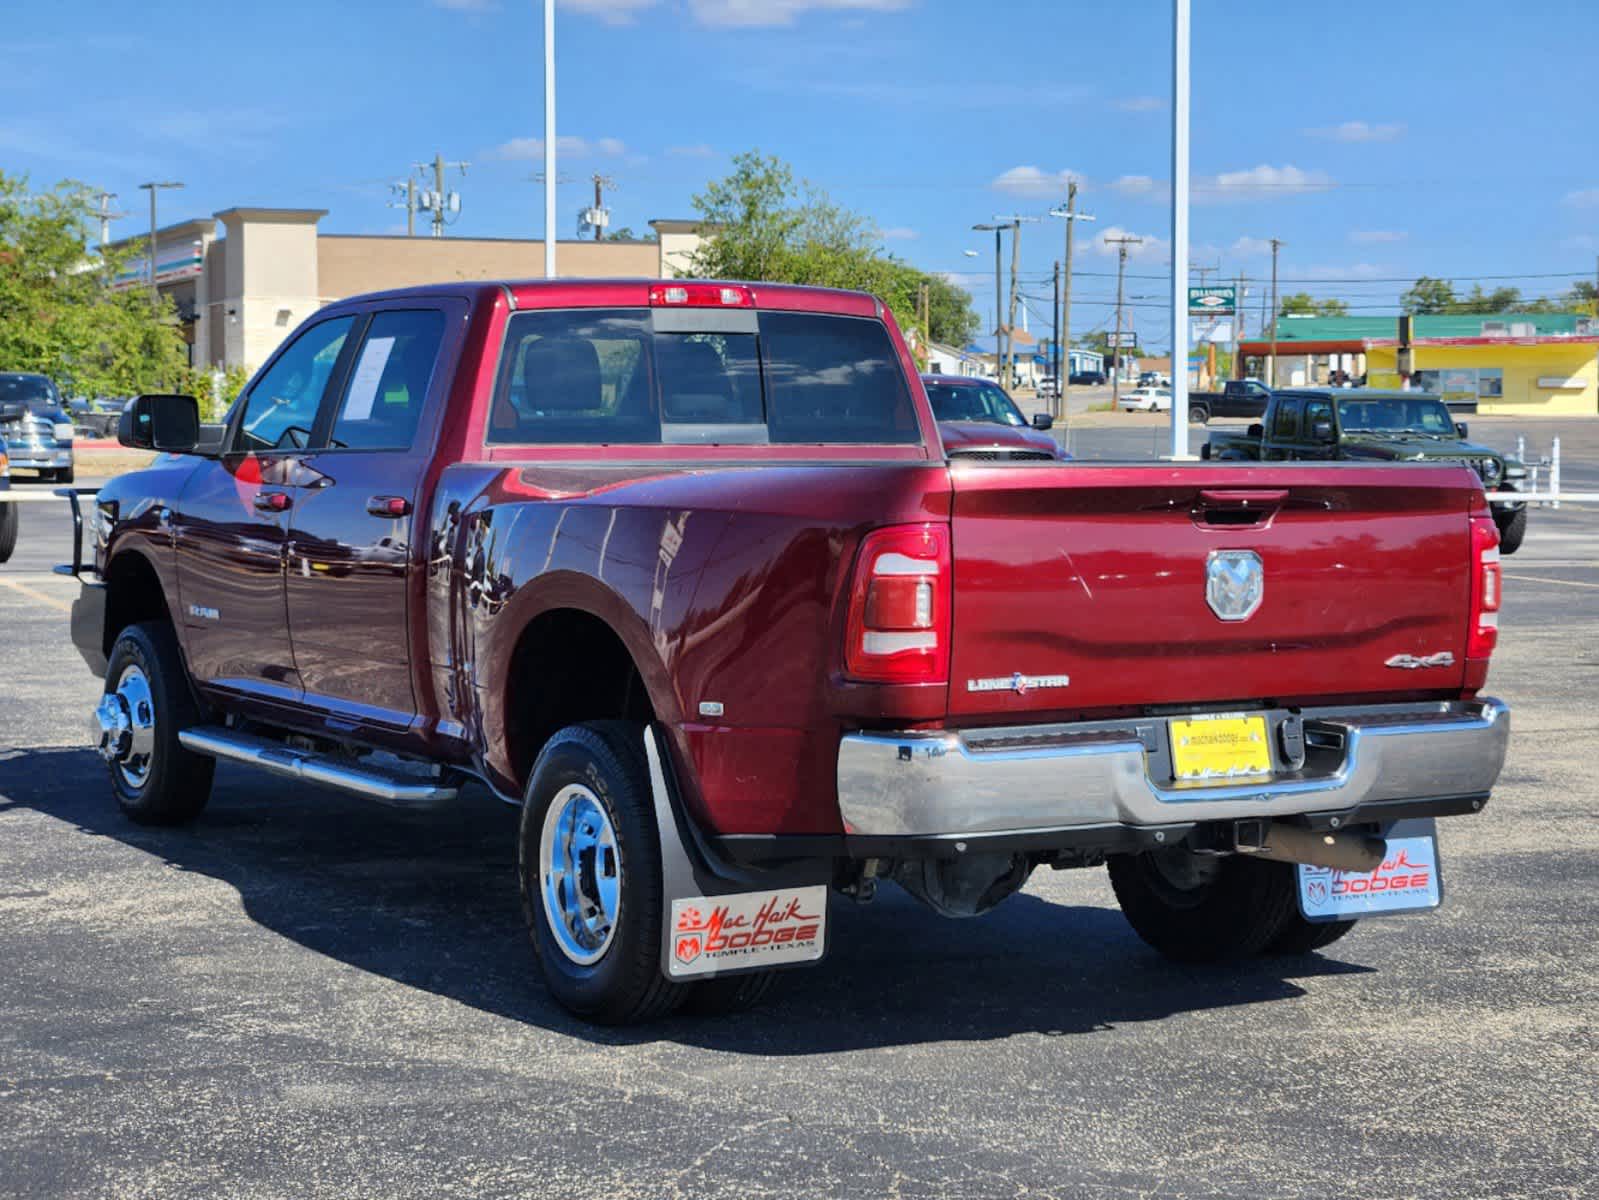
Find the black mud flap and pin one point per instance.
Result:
(720, 919)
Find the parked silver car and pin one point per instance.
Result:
(35, 426)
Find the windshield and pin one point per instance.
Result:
(972, 402)
(34, 391)
(1395, 414)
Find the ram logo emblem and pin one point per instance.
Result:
(1235, 583)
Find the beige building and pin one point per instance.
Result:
(244, 278)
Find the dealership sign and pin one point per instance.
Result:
(1212, 301)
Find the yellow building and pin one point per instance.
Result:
(1543, 364)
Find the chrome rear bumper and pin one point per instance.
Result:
(1039, 778)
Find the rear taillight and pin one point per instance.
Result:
(700, 295)
(1483, 633)
(899, 611)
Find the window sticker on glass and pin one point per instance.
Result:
(368, 373)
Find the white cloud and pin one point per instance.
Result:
(1034, 183)
(612, 12)
(700, 150)
(1151, 248)
(1262, 182)
(1251, 247)
(565, 145)
(1140, 186)
(899, 233)
(1360, 131)
(1585, 198)
(1138, 104)
(1377, 237)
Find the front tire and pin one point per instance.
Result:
(156, 781)
(1203, 908)
(1512, 530)
(590, 866)
(10, 522)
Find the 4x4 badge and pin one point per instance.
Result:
(1409, 662)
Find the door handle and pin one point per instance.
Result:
(388, 506)
(272, 501)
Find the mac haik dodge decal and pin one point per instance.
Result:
(756, 929)
(1407, 880)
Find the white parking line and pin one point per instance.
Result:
(1558, 582)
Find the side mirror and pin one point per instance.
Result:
(1321, 431)
(1043, 421)
(1257, 430)
(167, 423)
(1460, 428)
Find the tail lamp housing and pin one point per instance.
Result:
(899, 612)
(1483, 633)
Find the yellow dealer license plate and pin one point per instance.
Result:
(1219, 746)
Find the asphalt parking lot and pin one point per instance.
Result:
(306, 995)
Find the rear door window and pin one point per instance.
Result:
(608, 377)
(1285, 428)
(388, 386)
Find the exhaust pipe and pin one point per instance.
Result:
(1282, 842)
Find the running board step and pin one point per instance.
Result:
(371, 782)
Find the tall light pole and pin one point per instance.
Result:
(549, 139)
(153, 188)
(1071, 216)
(1179, 230)
(999, 324)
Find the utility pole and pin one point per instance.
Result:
(1054, 401)
(1071, 216)
(1180, 91)
(438, 201)
(1238, 321)
(1271, 370)
(999, 322)
(1121, 245)
(107, 216)
(407, 193)
(1014, 224)
(153, 188)
(597, 218)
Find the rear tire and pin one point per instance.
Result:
(1299, 936)
(1512, 529)
(1198, 414)
(163, 784)
(1202, 908)
(590, 867)
(9, 524)
(731, 994)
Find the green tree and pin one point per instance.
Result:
(626, 234)
(764, 225)
(1429, 296)
(1304, 304)
(60, 314)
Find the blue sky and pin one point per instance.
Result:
(1376, 140)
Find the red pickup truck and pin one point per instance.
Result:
(684, 571)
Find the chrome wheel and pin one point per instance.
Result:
(124, 723)
(580, 873)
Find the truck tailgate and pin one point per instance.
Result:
(1090, 583)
